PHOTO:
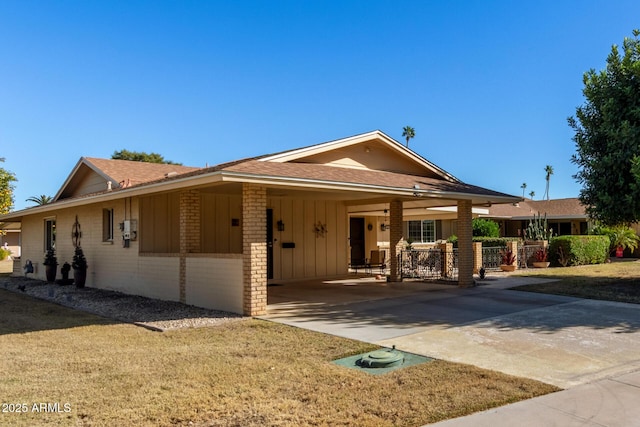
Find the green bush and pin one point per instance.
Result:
(487, 242)
(4, 253)
(578, 250)
(483, 227)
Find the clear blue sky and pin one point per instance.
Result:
(487, 85)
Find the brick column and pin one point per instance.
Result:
(395, 236)
(513, 247)
(254, 249)
(465, 247)
(189, 234)
(446, 259)
(478, 262)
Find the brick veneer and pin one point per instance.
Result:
(254, 249)
(395, 236)
(189, 233)
(477, 257)
(465, 247)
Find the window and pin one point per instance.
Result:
(107, 225)
(422, 231)
(49, 234)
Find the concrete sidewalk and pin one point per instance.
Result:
(612, 402)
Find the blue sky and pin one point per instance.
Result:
(487, 85)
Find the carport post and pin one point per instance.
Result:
(395, 236)
(465, 244)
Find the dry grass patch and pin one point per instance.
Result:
(616, 281)
(242, 373)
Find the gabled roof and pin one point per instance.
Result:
(120, 173)
(366, 166)
(307, 154)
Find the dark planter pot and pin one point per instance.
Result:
(79, 277)
(51, 271)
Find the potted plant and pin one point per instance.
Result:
(508, 260)
(79, 265)
(541, 258)
(51, 265)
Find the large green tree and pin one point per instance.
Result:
(607, 137)
(43, 199)
(140, 156)
(6, 189)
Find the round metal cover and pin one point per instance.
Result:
(382, 359)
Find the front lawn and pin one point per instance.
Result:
(92, 371)
(615, 281)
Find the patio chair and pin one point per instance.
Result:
(377, 260)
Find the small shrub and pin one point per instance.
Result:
(4, 253)
(541, 255)
(508, 257)
(483, 227)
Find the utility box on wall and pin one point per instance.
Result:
(129, 230)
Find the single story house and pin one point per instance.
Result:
(565, 216)
(215, 236)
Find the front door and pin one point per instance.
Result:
(356, 240)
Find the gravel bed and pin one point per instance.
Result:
(147, 312)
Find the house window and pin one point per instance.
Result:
(422, 231)
(107, 225)
(49, 234)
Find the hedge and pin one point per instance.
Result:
(487, 242)
(578, 250)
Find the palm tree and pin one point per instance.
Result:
(549, 170)
(524, 187)
(408, 132)
(531, 194)
(40, 200)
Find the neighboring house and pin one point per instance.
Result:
(214, 237)
(564, 216)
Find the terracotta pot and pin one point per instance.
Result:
(505, 267)
(541, 264)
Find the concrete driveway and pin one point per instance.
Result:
(558, 340)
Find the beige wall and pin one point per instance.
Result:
(213, 280)
(313, 256)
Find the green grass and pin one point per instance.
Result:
(616, 281)
(241, 373)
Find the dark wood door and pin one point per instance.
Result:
(356, 240)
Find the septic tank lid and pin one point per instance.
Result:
(382, 358)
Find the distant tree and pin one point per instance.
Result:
(483, 227)
(40, 200)
(6, 189)
(408, 133)
(607, 137)
(524, 187)
(139, 156)
(549, 171)
(531, 194)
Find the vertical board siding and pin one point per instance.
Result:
(312, 256)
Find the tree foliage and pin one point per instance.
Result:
(140, 156)
(6, 189)
(408, 133)
(42, 199)
(607, 137)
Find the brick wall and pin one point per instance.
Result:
(254, 249)
(465, 248)
(395, 236)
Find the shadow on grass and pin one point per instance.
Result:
(21, 313)
(114, 307)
